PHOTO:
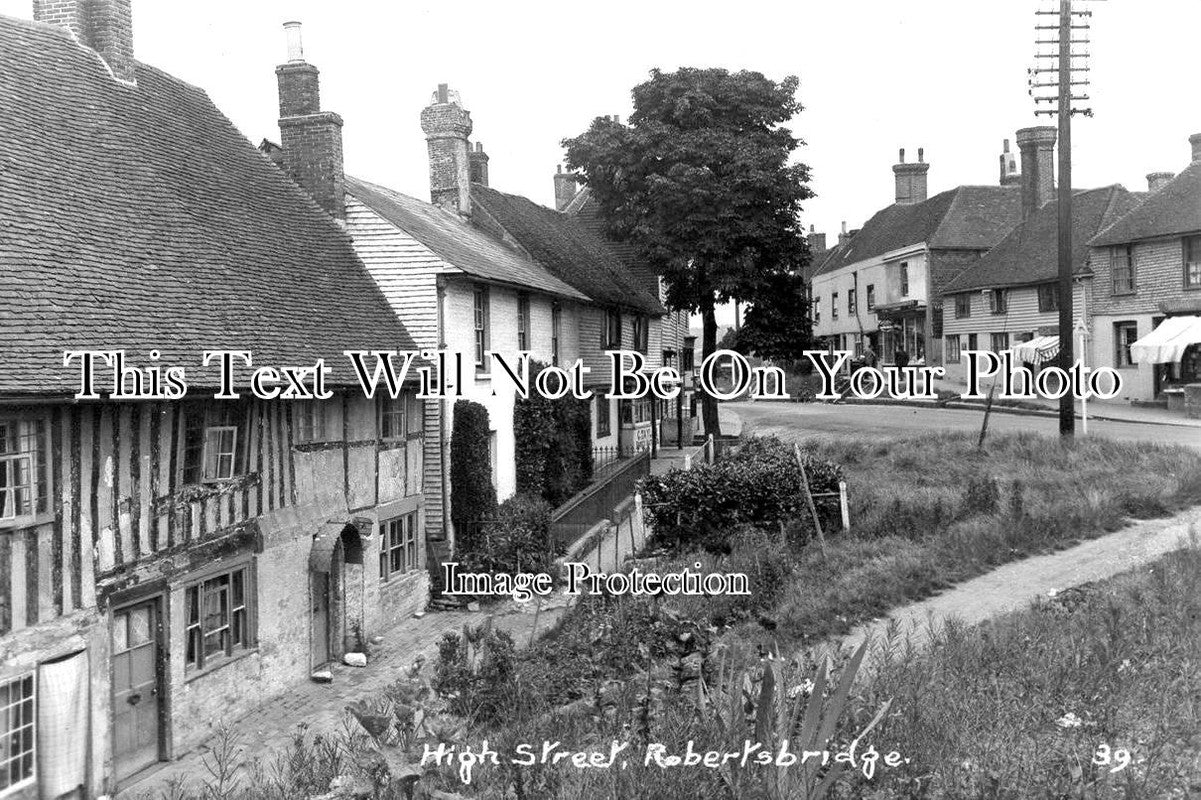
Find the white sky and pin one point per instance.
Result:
(947, 75)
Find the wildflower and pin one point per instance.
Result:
(1069, 720)
(804, 688)
(1052, 592)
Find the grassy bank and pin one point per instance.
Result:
(1093, 694)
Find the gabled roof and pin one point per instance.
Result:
(1029, 254)
(1174, 209)
(138, 218)
(456, 241)
(963, 218)
(568, 249)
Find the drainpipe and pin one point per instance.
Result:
(448, 531)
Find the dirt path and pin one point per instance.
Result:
(1014, 586)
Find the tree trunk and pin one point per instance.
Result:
(708, 347)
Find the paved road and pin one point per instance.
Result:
(827, 419)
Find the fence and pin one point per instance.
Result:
(613, 484)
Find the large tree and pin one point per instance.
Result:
(699, 183)
(777, 327)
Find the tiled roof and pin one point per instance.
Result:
(963, 218)
(1174, 209)
(585, 208)
(1030, 255)
(568, 249)
(137, 217)
(456, 241)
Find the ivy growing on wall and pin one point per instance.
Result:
(472, 495)
(553, 444)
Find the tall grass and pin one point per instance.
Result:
(1026, 706)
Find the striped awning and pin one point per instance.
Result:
(1167, 343)
(1037, 350)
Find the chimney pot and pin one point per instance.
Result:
(565, 189)
(901, 156)
(1037, 146)
(443, 93)
(1195, 141)
(295, 46)
(921, 154)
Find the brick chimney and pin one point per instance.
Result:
(817, 242)
(1158, 180)
(1009, 167)
(479, 164)
(447, 125)
(911, 179)
(1037, 146)
(1195, 141)
(106, 26)
(311, 138)
(843, 237)
(565, 188)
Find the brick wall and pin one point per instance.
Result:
(447, 125)
(106, 26)
(313, 158)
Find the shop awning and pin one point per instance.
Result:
(1167, 343)
(1037, 350)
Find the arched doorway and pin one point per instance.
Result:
(335, 591)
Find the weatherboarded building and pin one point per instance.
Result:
(164, 562)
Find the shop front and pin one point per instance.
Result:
(902, 330)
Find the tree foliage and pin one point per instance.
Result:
(699, 183)
(554, 444)
(777, 326)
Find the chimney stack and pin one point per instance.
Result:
(565, 188)
(311, 138)
(1195, 141)
(479, 164)
(1037, 146)
(447, 125)
(1009, 167)
(817, 242)
(911, 178)
(1158, 180)
(843, 236)
(105, 26)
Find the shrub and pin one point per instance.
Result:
(472, 495)
(554, 444)
(517, 540)
(982, 496)
(758, 485)
(476, 672)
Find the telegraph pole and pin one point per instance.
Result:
(1065, 72)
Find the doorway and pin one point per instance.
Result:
(336, 576)
(137, 686)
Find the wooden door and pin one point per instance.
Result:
(320, 592)
(137, 695)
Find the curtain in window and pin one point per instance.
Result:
(62, 727)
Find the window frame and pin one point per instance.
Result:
(34, 432)
(481, 302)
(851, 301)
(871, 296)
(393, 417)
(25, 703)
(198, 421)
(398, 544)
(953, 346)
(834, 305)
(993, 338)
(1122, 262)
(197, 661)
(998, 301)
(523, 321)
(310, 422)
(1121, 350)
(641, 330)
(1191, 247)
(211, 460)
(556, 332)
(904, 278)
(963, 305)
(1048, 298)
(604, 416)
(611, 332)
